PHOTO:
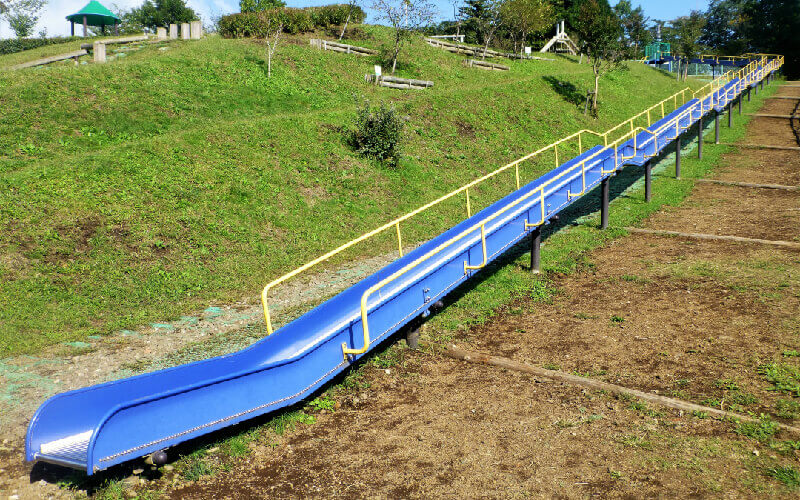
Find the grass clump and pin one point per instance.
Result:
(762, 430)
(784, 378)
(788, 475)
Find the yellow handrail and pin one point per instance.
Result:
(577, 135)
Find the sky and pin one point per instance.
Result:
(56, 10)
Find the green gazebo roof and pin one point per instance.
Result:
(96, 15)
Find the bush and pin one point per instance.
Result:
(14, 45)
(255, 24)
(377, 133)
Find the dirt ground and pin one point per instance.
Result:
(688, 319)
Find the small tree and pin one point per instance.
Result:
(405, 17)
(22, 15)
(599, 31)
(490, 22)
(634, 23)
(687, 32)
(272, 35)
(378, 133)
(353, 4)
(524, 17)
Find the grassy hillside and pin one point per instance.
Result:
(156, 184)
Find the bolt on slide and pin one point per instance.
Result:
(99, 426)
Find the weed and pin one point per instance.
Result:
(787, 408)
(196, 469)
(791, 354)
(323, 403)
(726, 384)
(617, 320)
(785, 378)
(615, 474)
(700, 414)
(581, 315)
(551, 366)
(762, 430)
(787, 475)
(637, 442)
(682, 383)
(288, 421)
(642, 408)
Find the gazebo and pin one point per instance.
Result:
(94, 14)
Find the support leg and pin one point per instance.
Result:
(716, 127)
(748, 94)
(604, 191)
(730, 115)
(740, 104)
(700, 138)
(648, 181)
(536, 244)
(412, 338)
(678, 157)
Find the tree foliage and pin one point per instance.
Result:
(773, 27)
(22, 15)
(259, 5)
(524, 17)
(687, 31)
(160, 13)
(635, 27)
(723, 28)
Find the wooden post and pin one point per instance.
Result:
(648, 181)
(116, 28)
(85, 27)
(72, 28)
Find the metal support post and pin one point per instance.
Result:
(648, 181)
(678, 157)
(412, 338)
(700, 138)
(716, 127)
(748, 94)
(730, 115)
(536, 244)
(740, 104)
(604, 192)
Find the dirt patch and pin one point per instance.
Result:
(465, 129)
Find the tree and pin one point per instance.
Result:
(405, 17)
(599, 31)
(773, 27)
(161, 13)
(472, 12)
(259, 5)
(272, 35)
(490, 23)
(724, 26)
(635, 26)
(687, 31)
(353, 4)
(526, 17)
(22, 15)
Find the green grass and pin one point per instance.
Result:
(784, 378)
(142, 189)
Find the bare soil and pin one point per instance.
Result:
(688, 319)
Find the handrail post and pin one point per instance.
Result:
(469, 208)
(516, 174)
(468, 267)
(399, 239)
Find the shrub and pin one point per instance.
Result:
(377, 133)
(259, 5)
(14, 45)
(254, 24)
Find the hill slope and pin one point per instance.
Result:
(148, 187)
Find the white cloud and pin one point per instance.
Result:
(53, 18)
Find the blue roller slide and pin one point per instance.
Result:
(99, 426)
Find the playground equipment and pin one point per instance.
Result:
(657, 51)
(561, 42)
(96, 427)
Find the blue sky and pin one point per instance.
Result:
(55, 24)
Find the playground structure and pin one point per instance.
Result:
(96, 427)
(561, 42)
